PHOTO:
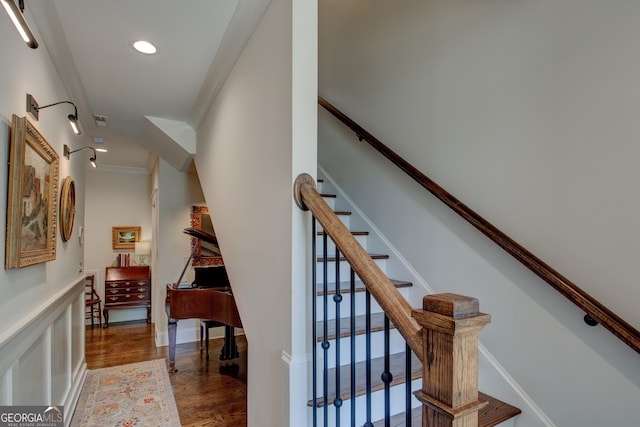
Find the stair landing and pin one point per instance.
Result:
(494, 413)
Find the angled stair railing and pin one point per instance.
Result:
(385, 293)
(596, 312)
(443, 336)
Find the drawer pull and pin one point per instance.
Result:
(140, 289)
(141, 296)
(128, 289)
(113, 285)
(114, 298)
(113, 291)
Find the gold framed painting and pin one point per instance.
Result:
(125, 237)
(205, 254)
(32, 197)
(67, 207)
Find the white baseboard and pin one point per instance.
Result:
(74, 393)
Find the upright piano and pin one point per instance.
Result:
(209, 297)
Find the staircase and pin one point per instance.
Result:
(494, 413)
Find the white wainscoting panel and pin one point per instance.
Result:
(42, 356)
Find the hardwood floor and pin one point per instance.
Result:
(208, 393)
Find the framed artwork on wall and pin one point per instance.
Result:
(125, 237)
(67, 207)
(32, 197)
(205, 254)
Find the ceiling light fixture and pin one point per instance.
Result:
(67, 152)
(100, 120)
(16, 15)
(33, 108)
(101, 150)
(145, 47)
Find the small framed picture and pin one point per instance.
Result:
(125, 237)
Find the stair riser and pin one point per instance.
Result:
(345, 270)
(377, 406)
(343, 218)
(331, 201)
(396, 345)
(331, 247)
(345, 305)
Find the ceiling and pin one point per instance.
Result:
(140, 95)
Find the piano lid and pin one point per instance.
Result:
(205, 237)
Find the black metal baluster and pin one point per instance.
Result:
(337, 298)
(325, 332)
(368, 355)
(314, 332)
(386, 375)
(407, 389)
(352, 289)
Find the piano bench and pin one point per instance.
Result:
(204, 332)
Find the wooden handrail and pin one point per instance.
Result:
(596, 310)
(385, 293)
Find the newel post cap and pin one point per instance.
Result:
(452, 305)
(451, 313)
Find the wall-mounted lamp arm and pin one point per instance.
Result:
(67, 152)
(61, 102)
(34, 109)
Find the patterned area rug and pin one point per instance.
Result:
(138, 394)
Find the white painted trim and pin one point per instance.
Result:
(15, 340)
(119, 169)
(37, 326)
(182, 337)
(48, 350)
(7, 385)
(375, 230)
(516, 387)
(190, 335)
(73, 395)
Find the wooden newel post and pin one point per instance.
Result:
(450, 360)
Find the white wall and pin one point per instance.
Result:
(525, 111)
(115, 197)
(248, 153)
(177, 192)
(33, 292)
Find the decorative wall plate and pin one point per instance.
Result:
(67, 207)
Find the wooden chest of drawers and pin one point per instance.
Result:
(127, 287)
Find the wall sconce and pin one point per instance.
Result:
(66, 153)
(33, 108)
(17, 17)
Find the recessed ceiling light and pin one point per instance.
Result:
(145, 47)
(101, 150)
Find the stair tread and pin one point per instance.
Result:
(377, 324)
(353, 233)
(396, 366)
(494, 413)
(373, 256)
(345, 287)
